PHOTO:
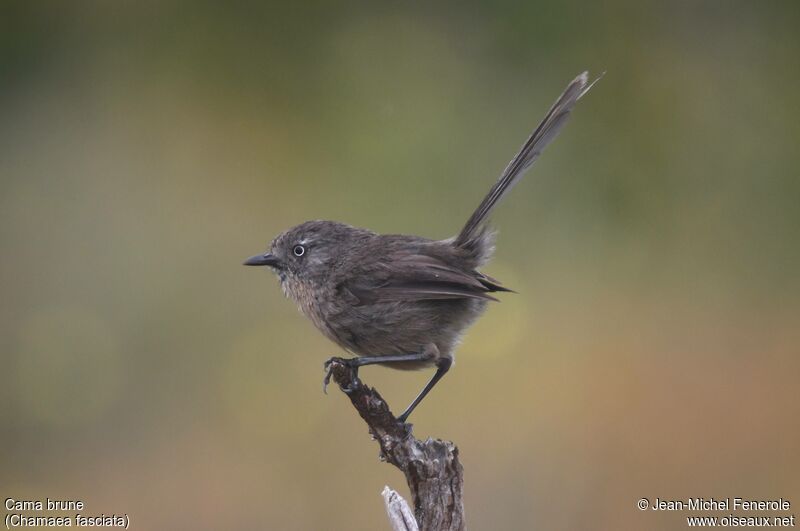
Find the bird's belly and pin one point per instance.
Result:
(403, 327)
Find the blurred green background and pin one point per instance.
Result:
(147, 148)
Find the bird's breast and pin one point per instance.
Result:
(316, 304)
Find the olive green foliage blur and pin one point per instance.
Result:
(147, 148)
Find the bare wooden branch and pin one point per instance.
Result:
(400, 515)
(431, 467)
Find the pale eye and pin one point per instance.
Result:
(299, 250)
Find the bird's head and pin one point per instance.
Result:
(308, 252)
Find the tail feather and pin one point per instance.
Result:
(474, 232)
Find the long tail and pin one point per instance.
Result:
(552, 123)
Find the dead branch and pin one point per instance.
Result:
(431, 467)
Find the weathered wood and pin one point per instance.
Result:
(431, 467)
(400, 515)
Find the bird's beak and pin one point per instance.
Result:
(266, 259)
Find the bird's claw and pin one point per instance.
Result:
(328, 366)
(328, 372)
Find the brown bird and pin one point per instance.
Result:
(402, 301)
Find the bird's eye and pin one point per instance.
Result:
(299, 250)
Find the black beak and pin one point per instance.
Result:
(265, 259)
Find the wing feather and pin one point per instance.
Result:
(414, 276)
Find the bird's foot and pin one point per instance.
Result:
(329, 365)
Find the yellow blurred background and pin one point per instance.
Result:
(147, 148)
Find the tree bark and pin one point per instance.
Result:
(431, 467)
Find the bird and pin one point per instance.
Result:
(398, 300)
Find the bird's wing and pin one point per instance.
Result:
(412, 276)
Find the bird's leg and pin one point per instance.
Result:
(355, 363)
(442, 366)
